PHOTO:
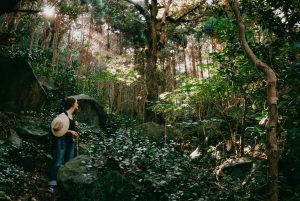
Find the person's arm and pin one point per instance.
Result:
(74, 133)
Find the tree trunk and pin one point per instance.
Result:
(46, 33)
(151, 54)
(193, 61)
(185, 64)
(68, 50)
(272, 147)
(153, 46)
(201, 74)
(32, 40)
(169, 77)
(108, 37)
(152, 77)
(55, 43)
(173, 63)
(242, 136)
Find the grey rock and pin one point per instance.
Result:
(90, 111)
(83, 178)
(152, 129)
(15, 139)
(47, 83)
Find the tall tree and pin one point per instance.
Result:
(150, 11)
(272, 148)
(156, 32)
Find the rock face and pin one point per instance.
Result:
(19, 88)
(90, 111)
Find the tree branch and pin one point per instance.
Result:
(180, 18)
(139, 8)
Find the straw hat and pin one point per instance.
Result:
(60, 125)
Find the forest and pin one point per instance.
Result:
(178, 100)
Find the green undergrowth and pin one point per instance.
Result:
(157, 169)
(161, 171)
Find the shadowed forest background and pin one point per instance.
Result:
(179, 99)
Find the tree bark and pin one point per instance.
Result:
(193, 61)
(272, 147)
(152, 77)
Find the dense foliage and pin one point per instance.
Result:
(220, 101)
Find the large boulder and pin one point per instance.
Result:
(77, 177)
(90, 111)
(35, 133)
(152, 129)
(83, 178)
(241, 170)
(19, 88)
(33, 128)
(238, 167)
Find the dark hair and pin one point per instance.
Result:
(69, 102)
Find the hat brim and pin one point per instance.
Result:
(65, 122)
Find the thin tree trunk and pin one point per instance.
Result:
(169, 86)
(32, 40)
(46, 33)
(60, 37)
(11, 18)
(193, 60)
(242, 136)
(173, 63)
(200, 61)
(185, 64)
(68, 51)
(118, 92)
(272, 147)
(55, 43)
(108, 37)
(81, 52)
(121, 43)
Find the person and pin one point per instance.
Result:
(63, 128)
